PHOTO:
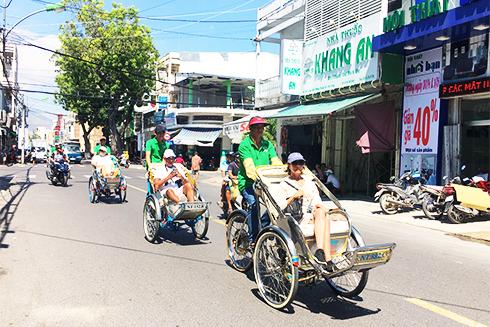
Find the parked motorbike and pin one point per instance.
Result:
(433, 201)
(465, 202)
(61, 175)
(123, 161)
(404, 192)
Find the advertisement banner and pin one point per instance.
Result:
(421, 112)
(341, 58)
(291, 66)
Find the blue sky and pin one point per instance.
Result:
(174, 25)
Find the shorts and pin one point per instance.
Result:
(195, 172)
(307, 228)
(177, 190)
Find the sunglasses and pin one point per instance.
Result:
(170, 158)
(298, 162)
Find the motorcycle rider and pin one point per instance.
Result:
(254, 151)
(57, 157)
(225, 189)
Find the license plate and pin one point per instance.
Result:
(373, 256)
(195, 206)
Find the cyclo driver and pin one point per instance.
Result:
(254, 151)
(57, 157)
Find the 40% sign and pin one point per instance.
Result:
(421, 123)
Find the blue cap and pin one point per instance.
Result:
(295, 156)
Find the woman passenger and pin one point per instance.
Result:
(296, 187)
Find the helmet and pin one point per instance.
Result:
(58, 145)
(230, 153)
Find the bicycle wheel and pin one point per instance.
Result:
(275, 273)
(152, 216)
(350, 283)
(92, 190)
(239, 249)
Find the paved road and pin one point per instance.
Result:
(66, 262)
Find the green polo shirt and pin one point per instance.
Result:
(97, 148)
(156, 149)
(260, 156)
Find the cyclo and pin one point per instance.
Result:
(282, 256)
(159, 211)
(99, 185)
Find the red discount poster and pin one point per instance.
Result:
(421, 113)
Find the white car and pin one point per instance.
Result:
(39, 155)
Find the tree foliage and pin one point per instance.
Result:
(109, 61)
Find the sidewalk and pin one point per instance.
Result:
(477, 229)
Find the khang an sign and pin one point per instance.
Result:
(341, 58)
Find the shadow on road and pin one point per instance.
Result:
(12, 194)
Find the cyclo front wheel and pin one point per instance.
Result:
(350, 283)
(152, 215)
(275, 273)
(201, 224)
(239, 249)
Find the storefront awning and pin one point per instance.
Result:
(197, 136)
(323, 108)
(457, 24)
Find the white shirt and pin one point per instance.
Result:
(105, 161)
(311, 194)
(331, 179)
(163, 171)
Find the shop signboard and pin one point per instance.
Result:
(341, 58)
(421, 107)
(162, 102)
(291, 66)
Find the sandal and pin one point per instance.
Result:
(230, 211)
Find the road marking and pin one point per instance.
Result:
(445, 313)
(32, 176)
(72, 177)
(128, 177)
(87, 176)
(219, 222)
(137, 188)
(142, 177)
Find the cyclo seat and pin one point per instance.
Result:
(272, 176)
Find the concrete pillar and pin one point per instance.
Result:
(228, 93)
(191, 84)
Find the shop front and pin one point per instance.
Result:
(446, 105)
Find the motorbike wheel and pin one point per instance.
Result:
(201, 224)
(92, 190)
(123, 190)
(152, 215)
(127, 165)
(275, 273)
(64, 181)
(456, 216)
(429, 207)
(388, 207)
(239, 250)
(350, 283)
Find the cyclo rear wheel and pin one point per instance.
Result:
(239, 249)
(92, 190)
(152, 215)
(275, 273)
(350, 283)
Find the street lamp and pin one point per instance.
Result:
(56, 7)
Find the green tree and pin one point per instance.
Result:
(116, 65)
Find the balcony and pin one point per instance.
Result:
(276, 12)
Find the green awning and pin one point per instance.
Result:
(323, 108)
(9, 130)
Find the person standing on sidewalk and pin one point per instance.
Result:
(254, 151)
(196, 166)
(156, 146)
